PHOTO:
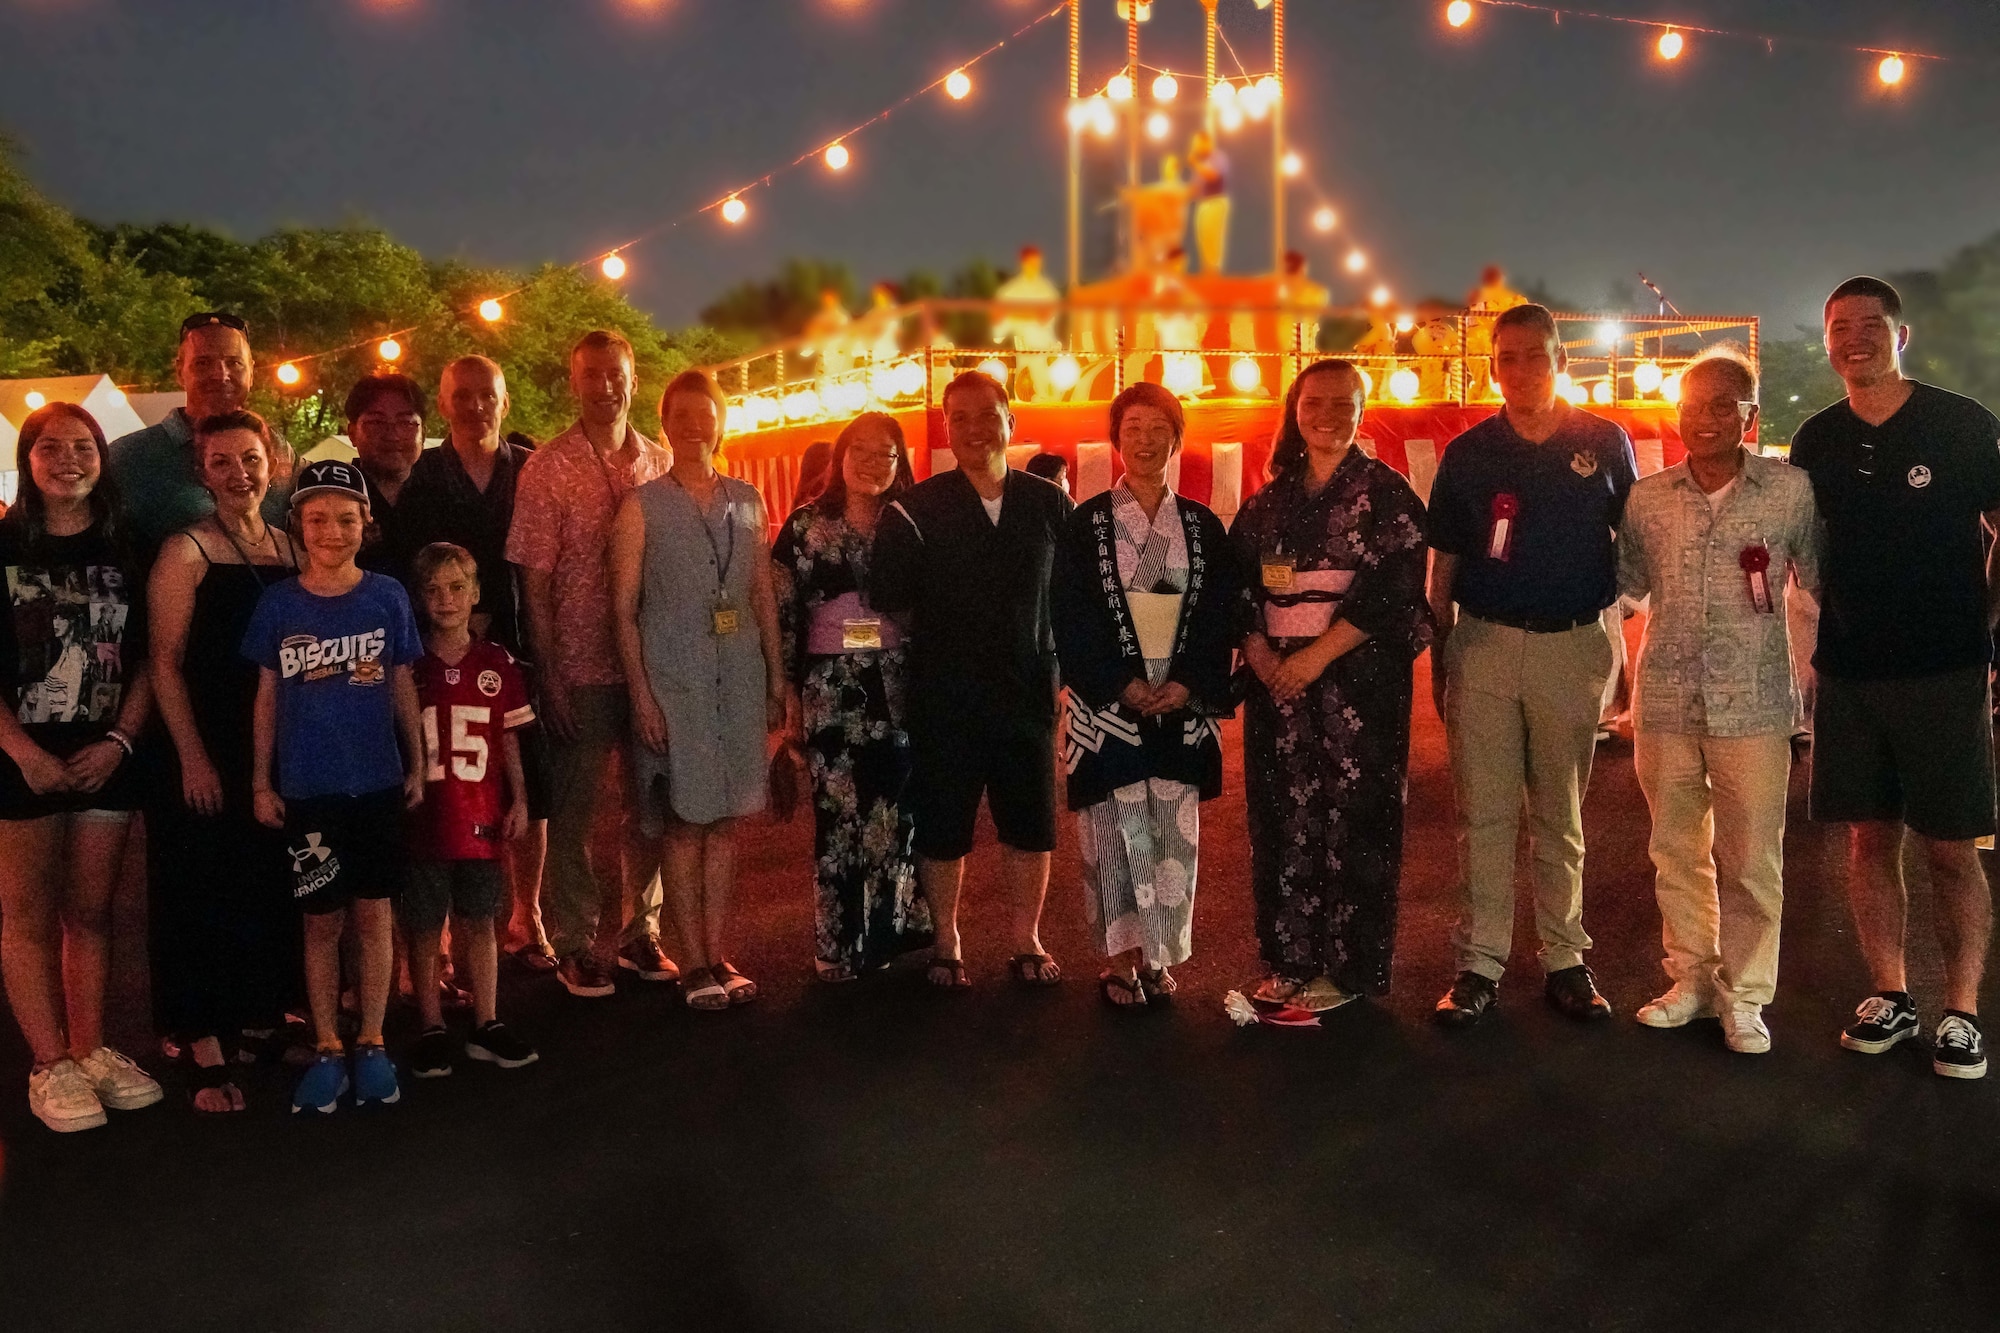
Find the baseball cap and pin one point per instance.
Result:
(329, 476)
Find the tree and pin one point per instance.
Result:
(776, 309)
(1954, 316)
(1797, 382)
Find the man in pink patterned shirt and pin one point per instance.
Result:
(565, 501)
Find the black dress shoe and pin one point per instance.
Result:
(1468, 1000)
(1574, 991)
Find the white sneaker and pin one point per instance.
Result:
(120, 1084)
(1677, 1008)
(61, 1098)
(1743, 1028)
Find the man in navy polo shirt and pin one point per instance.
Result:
(1522, 521)
(1905, 474)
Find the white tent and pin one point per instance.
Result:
(96, 394)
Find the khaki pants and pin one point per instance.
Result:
(1718, 850)
(575, 900)
(1521, 715)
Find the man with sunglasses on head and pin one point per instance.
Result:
(157, 468)
(1709, 541)
(1907, 477)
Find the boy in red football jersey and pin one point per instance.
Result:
(473, 697)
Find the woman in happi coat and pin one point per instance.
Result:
(1335, 553)
(1147, 603)
(848, 664)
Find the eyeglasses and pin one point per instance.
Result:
(207, 319)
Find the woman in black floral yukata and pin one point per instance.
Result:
(1335, 544)
(847, 663)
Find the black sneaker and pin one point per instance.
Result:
(1881, 1022)
(1958, 1051)
(1573, 992)
(431, 1056)
(1468, 1000)
(497, 1044)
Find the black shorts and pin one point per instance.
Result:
(124, 791)
(345, 847)
(1014, 769)
(1918, 750)
(467, 890)
(534, 742)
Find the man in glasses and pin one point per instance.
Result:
(156, 467)
(1907, 477)
(385, 422)
(1710, 541)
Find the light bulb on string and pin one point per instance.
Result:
(1356, 261)
(1159, 125)
(1671, 44)
(957, 85)
(1404, 385)
(1325, 219)
(1270, 89)
(1600, 393)
(1166, 88)
(1245, 375)
(1064, 372)
(1078, 115)
(1253, 102)
(734, 210)
(289, 374)
(1405, 322)
(837, 157)
(389, 350)
(1381, 296)
(1458, 13)
(1292, 164)
(995, 369)
(613, 266)
(490, 310)
(1231, 117)
(1647, 377)
(1102, 118)
(1223, 93)
(1890, 71)
(1120, 88)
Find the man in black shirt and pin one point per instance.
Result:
(966, 555)
(385, 423)
(1904, 474)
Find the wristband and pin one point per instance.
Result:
(119, 739)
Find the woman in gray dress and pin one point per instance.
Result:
(697, 625)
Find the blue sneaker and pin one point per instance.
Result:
(374, 1077)
(323, 1084)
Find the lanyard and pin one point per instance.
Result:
(722, 561)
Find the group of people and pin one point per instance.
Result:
(317, 686)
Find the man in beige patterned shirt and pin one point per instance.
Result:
(1710, 540)
(564, 503)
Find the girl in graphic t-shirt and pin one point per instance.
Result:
(71, 700)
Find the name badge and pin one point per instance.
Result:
(1500, 539)
(726, 622)
(1278, 572)
(1756, 562)
(860, 635)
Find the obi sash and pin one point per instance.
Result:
(1309, 607)
(827, 636)
(1155, 618)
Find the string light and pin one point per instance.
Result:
(1671, 44)
(1166, 88)
(1231, 117)
(1292, 164)
(1458, 13)
(1890, 71)
(1647, 377)
(1223, 93)
(734, 210)
(1120, 88)
(957, 85)
(1102, 119)
(36, 400)
(1404, 323)
(1325, 219)
(1670, 388)
(837, 157)
(1065, 372)
(389, 350)
(613, 266)
(1381, 296)
(1356, 261)
(1405, 385)
(1159, 125)
(994, 369)
(288, 374)
(1245, 375)
(490, 311)
(1079, 115)
(1600, 393)
(1269, 88)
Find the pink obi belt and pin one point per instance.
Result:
(1307, 608)
(845, 625)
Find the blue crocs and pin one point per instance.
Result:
(320, 1088)
(374, 1077)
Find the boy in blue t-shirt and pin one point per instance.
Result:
(334, 648)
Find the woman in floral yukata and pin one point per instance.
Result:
(1335, 547)
(1148, 606)
(848, 664)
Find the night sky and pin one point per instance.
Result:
(512, 131)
